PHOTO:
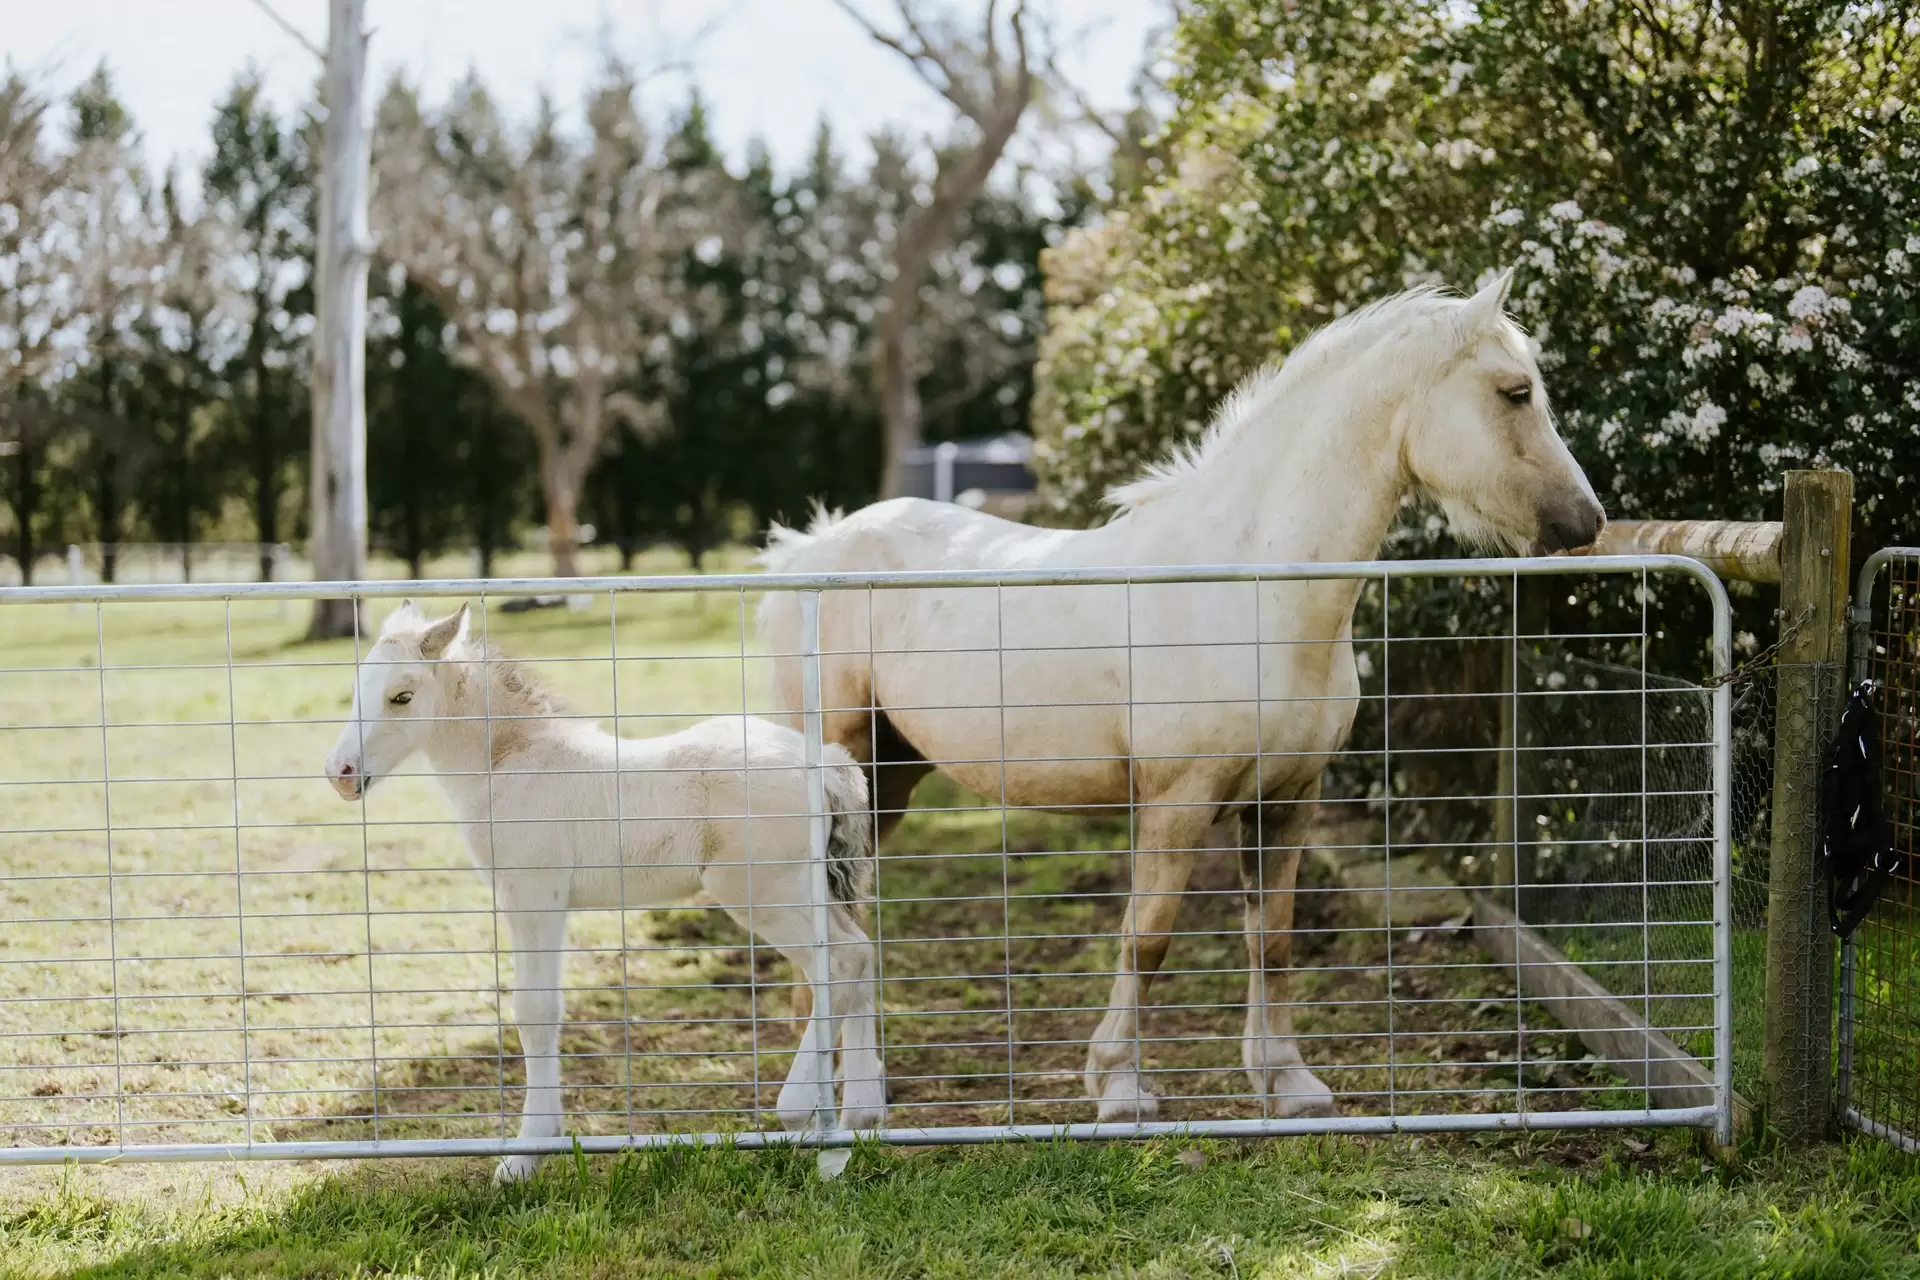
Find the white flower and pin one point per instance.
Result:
(1508, 218)
(1810, 301)
(1543, 258)
(1897, 261)
(1706, 422)
(1803, 166)
(1697, 352)
(1565, 211)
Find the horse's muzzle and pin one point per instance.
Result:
(1569, 526)
(348, 783)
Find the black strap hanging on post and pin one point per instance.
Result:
(1856, 840)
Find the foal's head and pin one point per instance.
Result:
(398, 699)
(1482, 443)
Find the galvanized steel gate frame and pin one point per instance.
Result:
(1716, 1116)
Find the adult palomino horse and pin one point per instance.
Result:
(559, 814)
(1151, 696)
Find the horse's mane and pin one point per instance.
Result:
(1274, 382)
(512, 690)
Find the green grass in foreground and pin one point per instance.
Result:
(1565, 1206)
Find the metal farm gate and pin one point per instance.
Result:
(1878, 1078)
(207, 952)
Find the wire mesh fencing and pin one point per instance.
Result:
(240, 914)
(1576, 894)
(1879, 1069)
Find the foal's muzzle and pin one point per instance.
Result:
(348, 782)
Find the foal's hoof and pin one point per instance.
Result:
(514, 1169)
(1298, 1094)
(1125, 1099)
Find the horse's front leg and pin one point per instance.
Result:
(1273, 838)
(539, 939)
(1163, 859)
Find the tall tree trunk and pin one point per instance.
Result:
(107, 504)
(266, 477)
(339, 469)
(899, 396)
(560, 488)
(26, 498)
(563, 530)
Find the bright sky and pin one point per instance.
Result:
(769, 68)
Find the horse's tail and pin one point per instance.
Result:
(850, 851)
(785, 546)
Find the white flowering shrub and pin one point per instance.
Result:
(1718, 244)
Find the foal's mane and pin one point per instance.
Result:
(1275, 382)
(512, 690)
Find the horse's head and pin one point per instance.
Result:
(398, 698)
(1482, 443)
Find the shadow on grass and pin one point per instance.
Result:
(695, 1034)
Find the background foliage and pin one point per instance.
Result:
(1714, 207)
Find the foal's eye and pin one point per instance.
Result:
(1518, 395)
(401, 699)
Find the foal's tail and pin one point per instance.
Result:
(850, 853)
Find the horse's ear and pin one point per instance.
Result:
(443, 633)
(1485, 308)
(407, 612)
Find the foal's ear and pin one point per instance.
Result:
(1485, 308)
(407, 612)
(443, 633)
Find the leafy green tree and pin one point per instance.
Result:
(1714, 208)
(414, 424)
(258, 187)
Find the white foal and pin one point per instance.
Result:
(542, 801)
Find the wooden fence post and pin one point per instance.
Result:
(1814, 557)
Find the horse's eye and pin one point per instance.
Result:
(1518, 395)
(401, 699)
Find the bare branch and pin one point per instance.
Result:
(923, 55)
(291, 30)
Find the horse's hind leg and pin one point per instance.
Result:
(1165, 847)
(538, 938)
(1272, 839)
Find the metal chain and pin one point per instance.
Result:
(1751, 667)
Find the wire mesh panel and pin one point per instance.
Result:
(1574, 892)
(1151, 859)
(1879, 1078)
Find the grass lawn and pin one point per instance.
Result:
(1494, 1207)
(281, 966)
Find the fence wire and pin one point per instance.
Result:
(1880, 1003)
(1579, 851)
(203, 950)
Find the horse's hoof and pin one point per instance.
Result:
(514, 1169)
(863, 1105)
(1125, 1099)
(1298, 1094)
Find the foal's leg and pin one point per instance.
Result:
(852, 965)
(1163, 859)
(538, 939)
(895, 768)
(1269, 868)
